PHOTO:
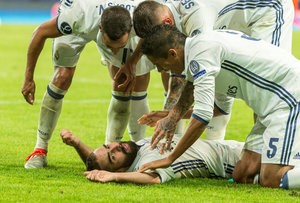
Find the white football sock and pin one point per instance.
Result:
(216, 128)
(117, 116)
(49, 113)
(291, 179)
(138, 107)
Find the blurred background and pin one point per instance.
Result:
(27, 11)
(37, 11)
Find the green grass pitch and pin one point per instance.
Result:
(84, 112)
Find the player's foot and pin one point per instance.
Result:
(38, 159)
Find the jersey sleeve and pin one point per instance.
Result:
(202, 67)
(165, 174)
(224, 103)
(70, 17)
(196, 16)
(145, 155)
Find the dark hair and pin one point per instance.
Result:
(162, 38)
(91, 162)
(115, 22)
(145, 17)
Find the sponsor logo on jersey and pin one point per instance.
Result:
(297, 156)
(232, 90)
(65, 28)
(129, 7)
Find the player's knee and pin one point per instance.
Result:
(63, 77)
(245, 171)
(239, 174)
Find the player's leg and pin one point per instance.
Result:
(66, 52)
(216, 128)
(118, 110)
(272, 175)
(49, 113)
(138, 107)
(249, 165)
(291, 179)
(281, 154)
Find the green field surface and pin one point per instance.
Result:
(84, 113)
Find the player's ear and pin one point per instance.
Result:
(100, 28)
(167, 20)
(172, 53)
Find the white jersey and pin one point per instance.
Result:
(82, 18)
(232, 64)
(270, 20)
(205, 158)
(79, 21)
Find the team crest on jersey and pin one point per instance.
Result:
(65, 28)
(195, 69)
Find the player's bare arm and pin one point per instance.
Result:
(195, 129)
(186, 99)
(122, 177)
(175, 88)
(128, 70)
(43, 32)
(165, 127)
(83, 150)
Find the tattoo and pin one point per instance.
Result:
(186, 99)
(175, 88)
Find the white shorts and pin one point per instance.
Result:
(277, 137)
(66, 50)
(107, 57)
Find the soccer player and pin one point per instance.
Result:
(76, 25)
(271, 21)
(120, 161)
(230, 64)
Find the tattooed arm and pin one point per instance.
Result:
(186, 99)
(176, 86)
(165, 127)
(195, 128)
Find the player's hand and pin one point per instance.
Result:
(100, 176)
(28, 91)
(151, 119)
(165, 128)
(126, 77)
(68, 138)
(161, 163)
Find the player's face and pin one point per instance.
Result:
(170, 64)
(114, 156)
(115, 45)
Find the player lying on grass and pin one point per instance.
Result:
(120, 161)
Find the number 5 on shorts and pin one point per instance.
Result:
(273, 149)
